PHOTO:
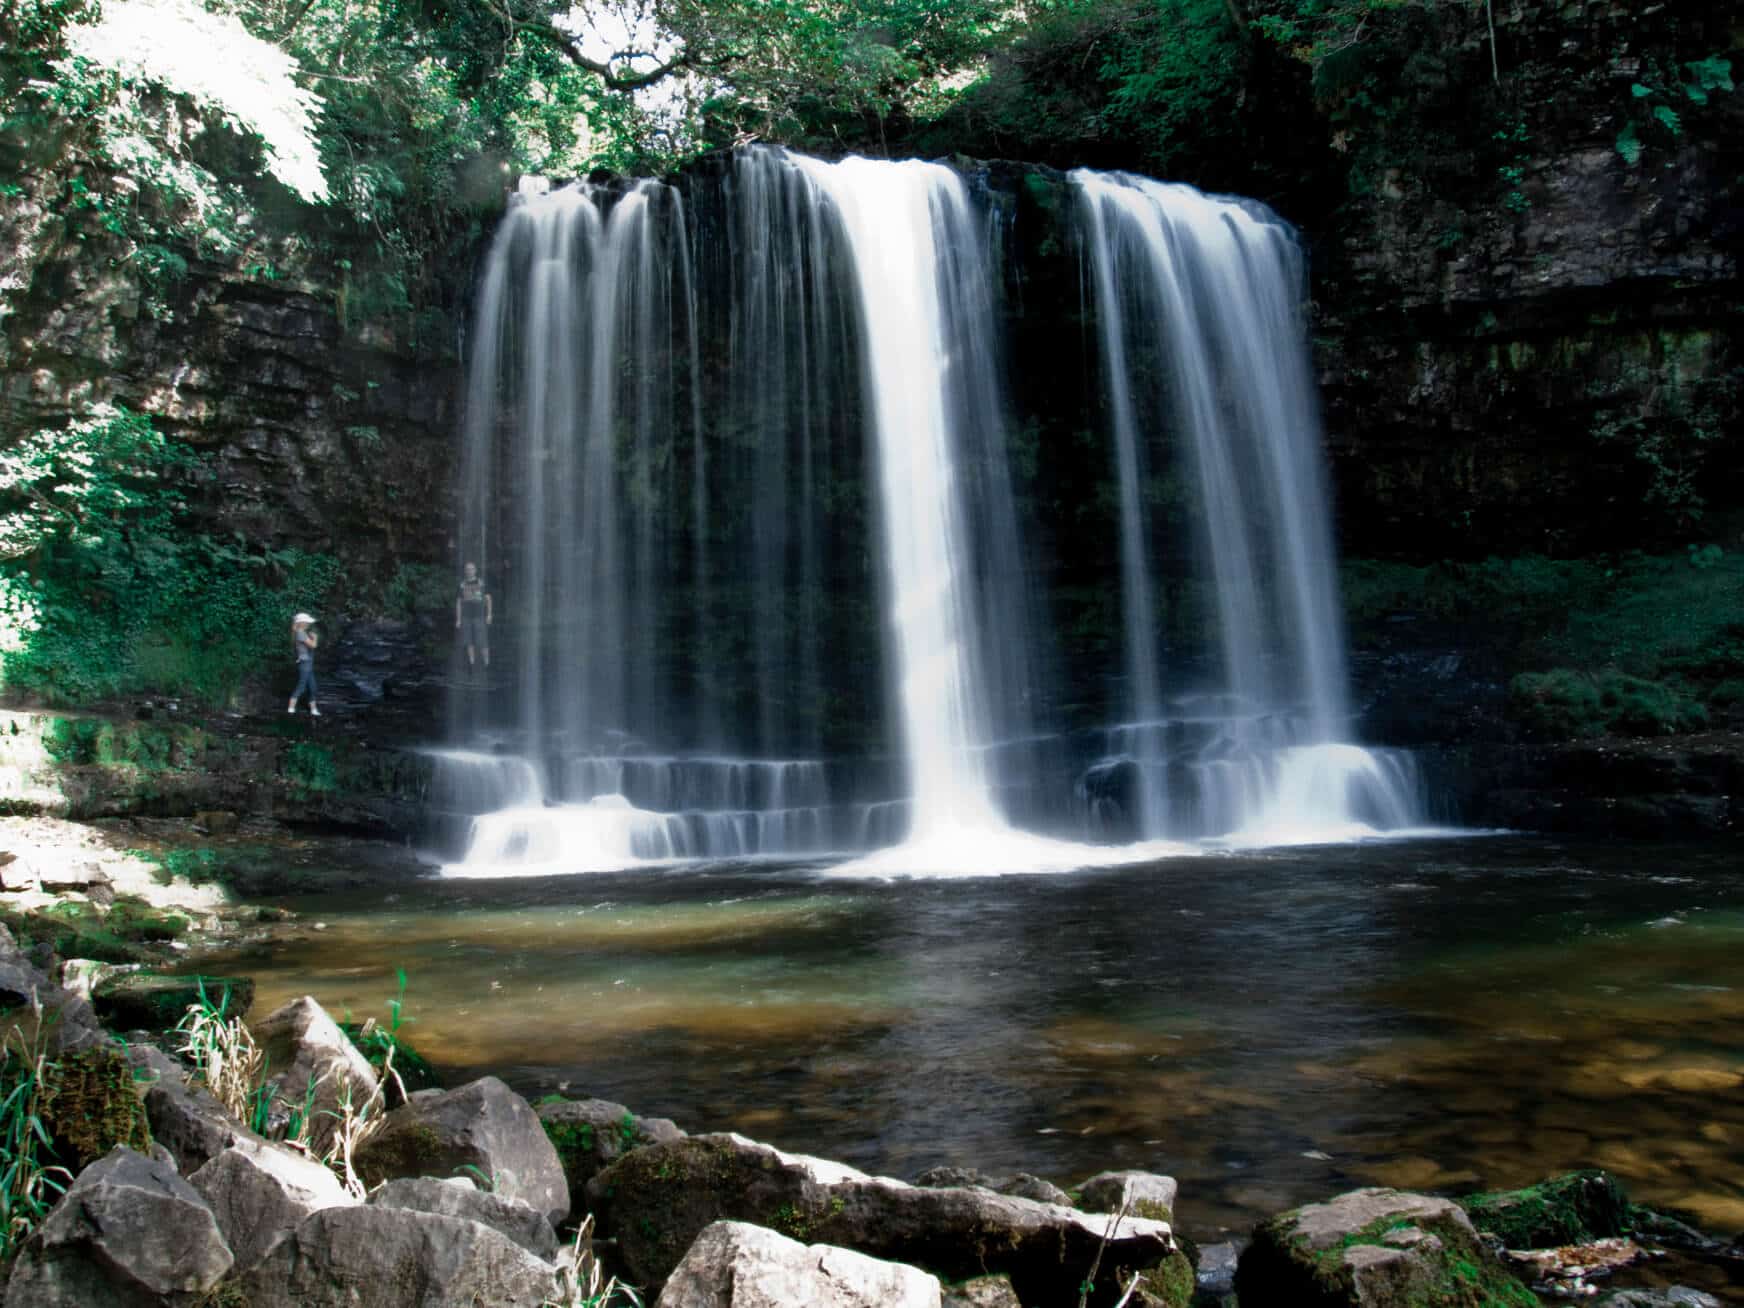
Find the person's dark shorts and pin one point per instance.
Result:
(475, 632)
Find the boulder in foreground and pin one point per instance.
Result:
(656, 1201)
(1574, 1208)
(374, 1257)
(591, 1134)
(128, 1231)
(460, 1198)
(260, 1193)
(737, 1265)
(484, 1130)
(1376, 1248)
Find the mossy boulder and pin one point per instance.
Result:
(71, 930)
(591, 1134)
(655, 1201)
(1377, 1248)
(149, 1001)
(1575, 1208)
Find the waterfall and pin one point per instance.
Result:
(737, 468)
(922, 288)
(1212, 288)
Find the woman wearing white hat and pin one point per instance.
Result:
(303, 642)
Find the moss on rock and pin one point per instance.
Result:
(90, 1107)
(1380, 1249)
(1575, 1208)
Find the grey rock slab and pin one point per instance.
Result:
(375, 1257)
(482, 1126)
(739, 1265)
(192, 1125)
(524, 1225)
(655, 1201)
(1020, 1184)
(309, 1049)
(1147, 1194)
(128, 1232)
(261, 1193)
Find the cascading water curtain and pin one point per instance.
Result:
(1211, 288)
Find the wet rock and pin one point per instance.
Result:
(982, 1292)
(307, 1045)
(192, 1125)
(482, 1127)
(655, 1201)
(1215, 1272)
(460, 1198)
(1377, 1248)
(261, 1193)
(1145, 1194)
(738, 1265)
(1021, 1184)
(374, 1257)
(590, 1134)
(149, 1001)
(1568, 1271)
(128, 1231)
(1576, 1208)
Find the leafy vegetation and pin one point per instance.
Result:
(388, 1051)
(104, 588)
(30, 1182)
(1642, 644)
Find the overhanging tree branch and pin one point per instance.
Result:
(570, 49)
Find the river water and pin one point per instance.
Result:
(1269, 1028)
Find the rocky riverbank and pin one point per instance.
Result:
(324, 1176)
(327, 1174)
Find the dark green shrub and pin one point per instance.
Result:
(1564, 704)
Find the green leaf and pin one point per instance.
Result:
(1629, 145)
(1641, 92)
(1669, 117)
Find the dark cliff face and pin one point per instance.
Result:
(323, 424)
(1529, 340)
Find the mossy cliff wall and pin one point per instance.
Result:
(318, 381)
(1529, 302)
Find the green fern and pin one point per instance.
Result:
(1668, 116)
(1705, 75)
(1629, 145)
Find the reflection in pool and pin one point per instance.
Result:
(1267, 1027)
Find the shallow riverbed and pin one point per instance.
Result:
(1269, 1028)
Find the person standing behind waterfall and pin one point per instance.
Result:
(303, 642)
(472, 616)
